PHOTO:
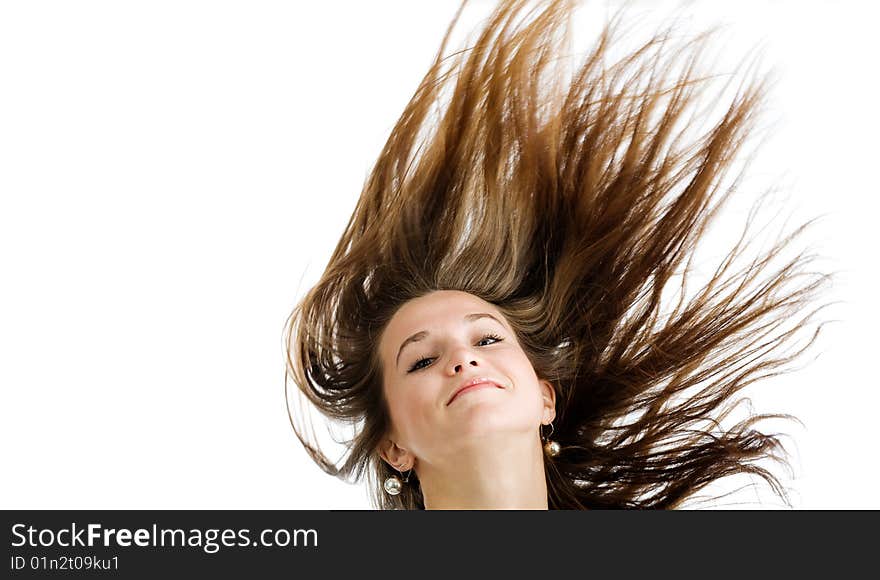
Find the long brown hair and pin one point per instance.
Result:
(575, 210)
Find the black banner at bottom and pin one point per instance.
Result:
(268, 544)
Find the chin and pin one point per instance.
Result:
(486, 418)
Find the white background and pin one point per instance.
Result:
(174, 175)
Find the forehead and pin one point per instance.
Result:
(434, 309)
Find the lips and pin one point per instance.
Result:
(473, 383)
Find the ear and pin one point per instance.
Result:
(397, 457)
(548, 394)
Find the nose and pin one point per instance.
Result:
(460, 359)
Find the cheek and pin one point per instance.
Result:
(524, 370)
(529, 387)
(410, 409)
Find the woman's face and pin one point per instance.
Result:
(431, 347)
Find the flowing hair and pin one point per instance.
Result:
(575, 208)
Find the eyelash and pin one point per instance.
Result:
(413, 368)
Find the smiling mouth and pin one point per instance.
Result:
(474, 387)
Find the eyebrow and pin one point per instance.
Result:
(421, 335)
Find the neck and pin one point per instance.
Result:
(502, 473)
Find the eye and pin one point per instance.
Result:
(492, 337)
(416, 367)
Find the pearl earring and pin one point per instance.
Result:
(552, 448)
(393, 485)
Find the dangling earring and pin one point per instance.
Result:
(552, 448)
(393, 485)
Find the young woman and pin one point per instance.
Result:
(506, 320)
